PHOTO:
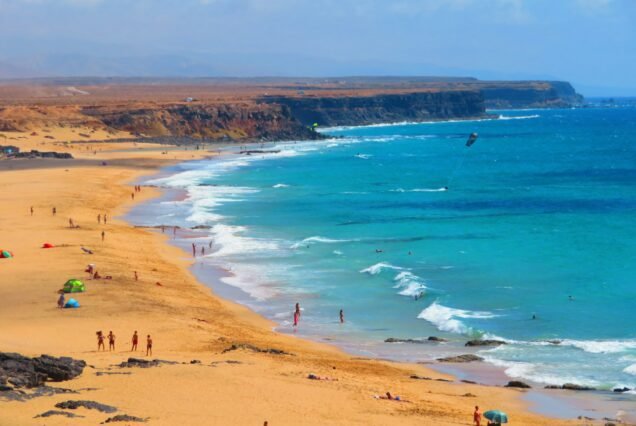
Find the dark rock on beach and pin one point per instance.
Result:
(253, 348)
(436, 339)
(571, 386)
(396, 340)
(91, 405)
(40, 154)
(144, 363)
(23, 372)
(57, 413)
(517, 384)
(124, 418)
(478, 342)
(461, 358)
(621, 390)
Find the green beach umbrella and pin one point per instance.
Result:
(496, 416)
(74, 286)
(5, 254)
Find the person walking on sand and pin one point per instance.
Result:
(111, 341)
(100, 341)
(132, 195)
(194, 250)
(341, 316)
(103, 236)
(61, 300)
(477, 416)
(149, 346)
(135, 340)
(70, 223)
(136, 276)
(202, 250)
(99, 219)
(105, 219)
(54, 211)
(31, 210)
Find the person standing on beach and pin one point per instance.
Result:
(61, 300)
(54, 211)
(136, 276)
(297, 315)
(132, 195)
(111, 341)
(31, 210)
(100, 341)
(135, 340)
(341, 316)
(149, 346)
(70, 223)
(103, 236)
(105, 218)
(202, 250)
(477, 416)
(194, 250)
(99, 219)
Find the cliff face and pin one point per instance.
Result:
(532, 94)
(382, 108)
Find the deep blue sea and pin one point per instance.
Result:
(536, 219)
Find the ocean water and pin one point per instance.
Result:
(536, 219)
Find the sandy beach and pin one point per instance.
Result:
(186, 321)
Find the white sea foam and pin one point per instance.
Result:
(204, 199)
(337, 252)
(518, 117)
(363, 156)
(601, 346)
(630, 370)
(379, 267)
(280, 185)
(446, 319)
(442, 189)
(231, 243)
(410, 284)
(316, 239)
(529, 371)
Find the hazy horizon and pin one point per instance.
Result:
(590, 43)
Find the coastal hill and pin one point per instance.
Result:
(258, 109)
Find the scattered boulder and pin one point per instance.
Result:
(479, 342)
(517, 384)
(57, 413)
(470, 382)
(416, 377)
(41, 154)
(621, 390)
(91, 405)
(195, 361)
(461, 358)
(124, 418)
(436, 339)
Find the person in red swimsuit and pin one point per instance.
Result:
(477, 416)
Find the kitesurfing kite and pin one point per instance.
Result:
(472, 139)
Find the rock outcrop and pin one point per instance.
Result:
(461, 358)
(478, 342)
(17, 371)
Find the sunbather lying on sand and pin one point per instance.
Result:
(390, 397)
(314, 377)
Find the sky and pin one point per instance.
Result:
(591, 43)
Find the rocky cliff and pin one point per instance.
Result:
(382, 108)
(206, 121)
(529, 94)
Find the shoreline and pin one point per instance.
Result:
(185, 318)
(554, 403)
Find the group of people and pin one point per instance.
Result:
(202, 249)
(111, 342)
(100, 218)
(297, 316)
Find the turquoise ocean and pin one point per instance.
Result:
(413, 234)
